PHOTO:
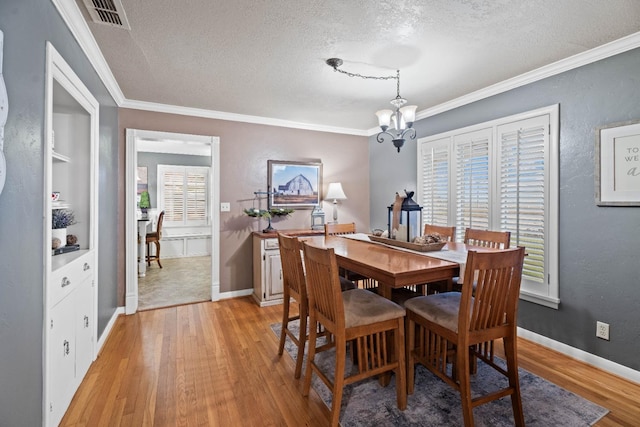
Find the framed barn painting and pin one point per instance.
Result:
(294, 185)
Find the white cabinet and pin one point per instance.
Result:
(70, 279)
(267, 271)
(268, 286)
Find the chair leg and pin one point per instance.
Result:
(514, 382)
(157, 242)
(302, 338)
(411, 343)
(338, 382)
(462, 370)
(313, 335)
(401, 376)
(148, 255)
(285, 324)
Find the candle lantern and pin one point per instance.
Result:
(410, 221)
(317, 218)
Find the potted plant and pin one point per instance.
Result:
(60, 220)
(145, 202)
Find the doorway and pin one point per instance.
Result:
(166, 146)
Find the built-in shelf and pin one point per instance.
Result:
(60, 204)
(60, 157)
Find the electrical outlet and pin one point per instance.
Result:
(602, 330)
(225, 207)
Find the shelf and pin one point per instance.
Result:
(60, 157)
(60, 204)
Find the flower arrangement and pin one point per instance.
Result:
(267, 213)
(62, 218)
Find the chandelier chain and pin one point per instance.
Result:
(368, 77)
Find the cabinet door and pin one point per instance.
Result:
(274, 275)
(84, 328)
(62, 352)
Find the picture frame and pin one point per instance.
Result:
(618, 164)
(293, 184)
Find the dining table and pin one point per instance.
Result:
(394, 267)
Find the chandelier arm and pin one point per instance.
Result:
(411, 132)
(380, 136)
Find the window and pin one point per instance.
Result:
(183, 193)
(500, 175)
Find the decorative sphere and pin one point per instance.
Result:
(55, 243)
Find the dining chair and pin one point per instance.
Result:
(294, 286)
(154, 237)
(336, 229)
(373, 323)
(487, 238)
(449, 233)
(450, 328)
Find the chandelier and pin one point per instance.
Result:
(397, 123)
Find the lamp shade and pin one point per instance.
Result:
(335, 192)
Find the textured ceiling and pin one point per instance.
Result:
(266, 58)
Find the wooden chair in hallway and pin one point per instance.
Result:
(359, 316)
(453, 327)
(294, 286)
(154, 237)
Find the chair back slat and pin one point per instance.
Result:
(493, 302)
(449, 233)
(292, 269)
(487, 238)
(338, 229)
(323, 285)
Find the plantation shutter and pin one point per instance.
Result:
(183, 194)
(472, 183)
(434, 186)
(522, 184)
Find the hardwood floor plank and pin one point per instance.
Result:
(216, 364)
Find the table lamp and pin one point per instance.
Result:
(335, 193)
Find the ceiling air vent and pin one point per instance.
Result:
(109, 12)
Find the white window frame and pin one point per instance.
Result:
(184, 170)
(546, 294)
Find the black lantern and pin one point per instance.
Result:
(410, 219)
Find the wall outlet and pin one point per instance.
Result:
(602, 330)
(225, 207)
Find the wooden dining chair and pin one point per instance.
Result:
(294, 286)
(487, 238)
(335, 229)
(373, 323)
(154, 237)
(450, 328)
(449, 233)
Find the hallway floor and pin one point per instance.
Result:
(180, 281)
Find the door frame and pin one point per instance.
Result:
(133, 140)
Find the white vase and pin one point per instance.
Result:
(60, 233)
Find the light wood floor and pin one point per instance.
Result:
(216, 364)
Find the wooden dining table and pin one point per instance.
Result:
(390, 266)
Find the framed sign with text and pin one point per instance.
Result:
(618, 164)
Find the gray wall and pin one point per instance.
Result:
(599, 246)
(27, 25)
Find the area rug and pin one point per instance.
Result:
(434, 403)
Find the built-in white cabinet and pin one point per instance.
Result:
(70, 278)
(268, 285)
(267, 271)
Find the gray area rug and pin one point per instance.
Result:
(434, 403)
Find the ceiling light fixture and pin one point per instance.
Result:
(398, 123)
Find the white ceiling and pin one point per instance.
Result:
(267, 58)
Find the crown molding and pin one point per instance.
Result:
(607, 50)
(233, 117)
(75, 21)
(80, 30)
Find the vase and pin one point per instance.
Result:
(60, 233)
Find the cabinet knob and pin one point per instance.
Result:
(86, 266)
(65, 282)
(65, 346)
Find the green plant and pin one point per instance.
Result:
(62, 218)
(145, 202)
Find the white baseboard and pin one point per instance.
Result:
(588, 358)
(108, 328)
(235, 294)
